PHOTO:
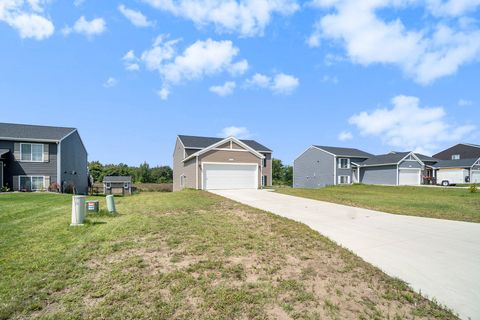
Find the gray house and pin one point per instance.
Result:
(117, 185)
(320, 166)
(42, 158)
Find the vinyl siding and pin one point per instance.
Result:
(14, 168)
(313, 169)
(177, 164)
(379, 175)
(74, 162)
(410, 164)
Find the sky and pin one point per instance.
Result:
(378, 75)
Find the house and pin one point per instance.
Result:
(117, 185)
(459, 151)
(42, 158)
(216, 163)
(320, 166)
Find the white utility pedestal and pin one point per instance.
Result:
(78, 210)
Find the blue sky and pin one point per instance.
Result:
(130, 75)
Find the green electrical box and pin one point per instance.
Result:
(92, 206)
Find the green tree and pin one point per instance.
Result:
(288, 176)
(144, 173)
(96, 170)
(277, 171)
(162, 174)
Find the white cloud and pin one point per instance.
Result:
(284, 83)
(78, 3)
(200, 59)
(225, 89)
(110, 83)
(464, 103)
(137, 18)
(409, 126)
(238, 132)
(245, 17)
(437, 50)
(90, 28)
(281, 83)
(27, 18)
(345, 135)
(130, 61)
(452, 8)
(163, 93)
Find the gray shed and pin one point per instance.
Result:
(117, 185)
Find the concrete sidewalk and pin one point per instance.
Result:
(440, 258)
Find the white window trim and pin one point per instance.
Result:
(31, 182)
(31, 152)
(339, 179)
(455, 157)
(126, 185)
(108, 185)
(340, 163)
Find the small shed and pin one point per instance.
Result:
(117, 185)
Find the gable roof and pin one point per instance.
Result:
(392, 158)
(471, 145)
(346, 152)
(117, 179)
(459, 163)
(196, 142)
(13, 131)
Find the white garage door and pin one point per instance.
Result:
(230, 176)
(409, 177)
(451, 175)
(475, 178)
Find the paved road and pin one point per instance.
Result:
(439, 257)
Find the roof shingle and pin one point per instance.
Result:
(26, 131)
(196, 142)
(347, 152)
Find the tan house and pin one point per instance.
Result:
(214, 163)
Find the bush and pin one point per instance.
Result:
(473, 188)
(5, 188)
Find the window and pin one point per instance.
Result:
(343, 179)
(264, 161)
(109, 185)
(125, 185)
(264, 181)
(31, 152)
(344, 163)
(32, 183)
(455, 156)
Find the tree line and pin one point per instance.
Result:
(141, 174)
(281, 174)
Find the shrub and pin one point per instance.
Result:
(473, 188)
(5, 188)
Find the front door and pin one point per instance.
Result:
(1, 174)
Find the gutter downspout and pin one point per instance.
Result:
(59, 165)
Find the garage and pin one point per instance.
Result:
(217, 176)
(409, 177)
(453, 176)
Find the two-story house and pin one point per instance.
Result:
(209, 163)
(36, 158)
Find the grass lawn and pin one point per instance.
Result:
(433, 202)
(184, 255)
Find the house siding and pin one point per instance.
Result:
(74, 161)
(177, 164)
(267, 171)
(14, 168)
(346, 172)
(379, 175)
(313, 169)
(410, 165)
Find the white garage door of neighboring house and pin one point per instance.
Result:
(475, 178)
(409, 177)
(230, 176)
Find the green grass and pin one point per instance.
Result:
(184, 255)
(433, 202)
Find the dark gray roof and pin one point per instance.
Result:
(425, 158)
(348, 152)
(26, 131)
(196, 142)
(117, 179)
(460, 163)
(394, 157)
(4, 151)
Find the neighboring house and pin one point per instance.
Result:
(215, 163)
(320, 166)
(42, 158)
(117, 185)
(459, 151)
(457, 171)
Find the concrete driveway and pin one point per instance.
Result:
(440, 258)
